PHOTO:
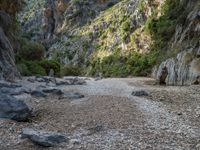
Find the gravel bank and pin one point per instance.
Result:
(110, 118)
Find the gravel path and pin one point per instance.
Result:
(110, 118)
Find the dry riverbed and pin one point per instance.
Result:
(110, 118)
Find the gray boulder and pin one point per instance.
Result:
(12, 108)
(53, 91)
(38, 93)
(140, 93)
(42, 138)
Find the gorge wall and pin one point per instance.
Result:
(8, 69)
(120, 38)
(184, 68)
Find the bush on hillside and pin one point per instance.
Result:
(50, 64)
(71, 70)
(32, 51)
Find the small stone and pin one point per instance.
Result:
(77, 81)
(97, 79)
(179, 113)
(75, 141)
(31, 80)
(97, 128)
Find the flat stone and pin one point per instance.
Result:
(97, 79)
(140, 93)
(53, 91)
(38, 93)
(62, 82)
(77, 81)
(40, 80)
(14, 91)
(12, 108)
(42, 138)
(31, 80)
(72, 95)
(45, 79)
(9, 85)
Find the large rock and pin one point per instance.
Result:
(42, 138)
(182, 70)
(12, 108)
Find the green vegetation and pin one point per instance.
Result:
(159, 30)
(30, 60)
(32, 51)
(135, 64)
(71, 70)
(132, 42)
(163, 28)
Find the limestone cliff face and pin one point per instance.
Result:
(8, 69)
(184, 69)
(75, 31)
(47, 20)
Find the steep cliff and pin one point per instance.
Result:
(184, 68)
(49, 19)
(8, 69)
(120, 38)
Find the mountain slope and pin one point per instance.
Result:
(119, 38)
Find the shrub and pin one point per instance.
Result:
(50, 64)
(35, 68)
(73, 70)
(32, 51)
(23, 69)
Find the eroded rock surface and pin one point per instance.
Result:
(42, 138)
(8, 69)
(183, 69)
(12, 108)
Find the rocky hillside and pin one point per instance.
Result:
(8, 11)
(119, 38)
(183, 68)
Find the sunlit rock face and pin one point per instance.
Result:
(184, 69)
(48, 19)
